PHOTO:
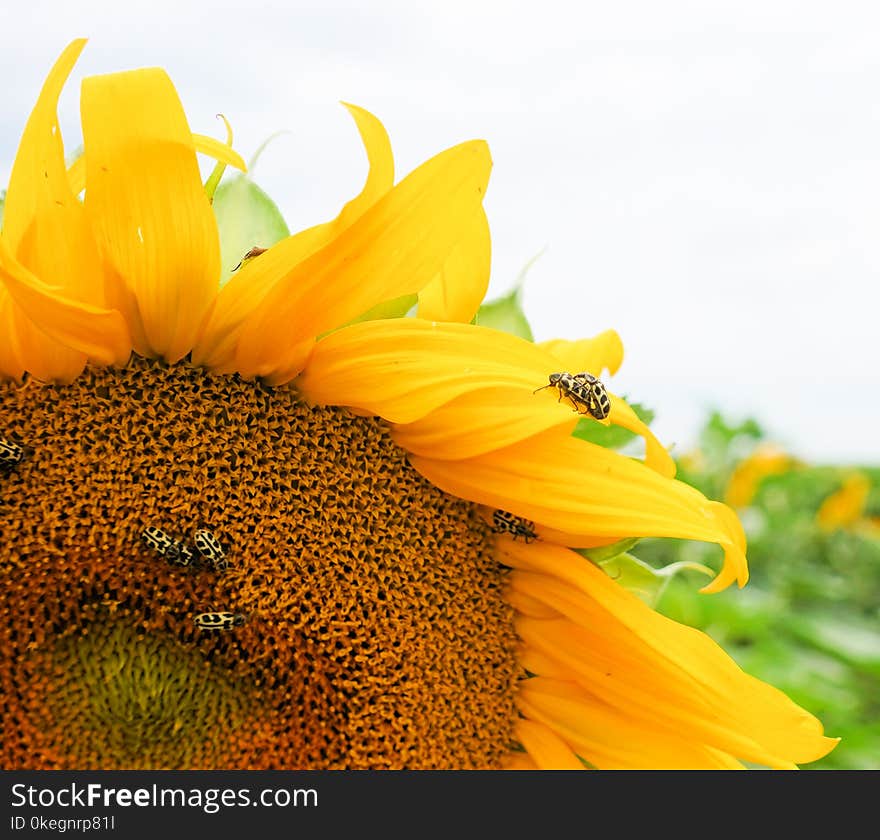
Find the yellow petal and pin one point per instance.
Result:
(480, 421)
(578, 488)
(145, 198)
(404, 368)
(456, 293)
(38, 179)
(393, 249)
(527, 605)
(657, 457)
(609, 662)
(97, 333)
(49, 260)
(12, 364)
(708, 677)
(46, 360)
(605, 737)
(546, 748)
(76, 172)
(218, 150)
(601, 352)
(248, 288)
(456, 390)
(519, 761)
(380, 176)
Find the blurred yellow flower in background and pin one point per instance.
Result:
(767, 459)
(846, 506)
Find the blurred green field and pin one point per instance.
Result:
(808, 621)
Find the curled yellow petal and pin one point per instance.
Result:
(145, 199)
(656, 455)
(38, 201)
(45, 359)
(380, 176)
(393, 249)
(220, 151)
(98, 333)
(248, 288)
(49, 260)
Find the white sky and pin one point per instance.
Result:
(705, 177)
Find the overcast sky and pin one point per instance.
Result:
(703, 177)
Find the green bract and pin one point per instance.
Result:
(246, 217)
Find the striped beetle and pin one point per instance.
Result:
(584, 391)
(219, 620)
(11, 454)
(176, 552)
(210, 549)
(516, 526)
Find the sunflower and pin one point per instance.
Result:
(257, 526)
(766, 460)
(845, 507)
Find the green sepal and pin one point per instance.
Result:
(246, 217)
(214, 180)
(395, 308)
(603, 553)
(642, 579)
(505, 314)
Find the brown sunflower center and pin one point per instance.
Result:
(375, 632)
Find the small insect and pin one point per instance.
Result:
(11, 454)
(516, 526)
(219, 620)
(584, 391)
(176, 552)
(254, 252)
(210, 549)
